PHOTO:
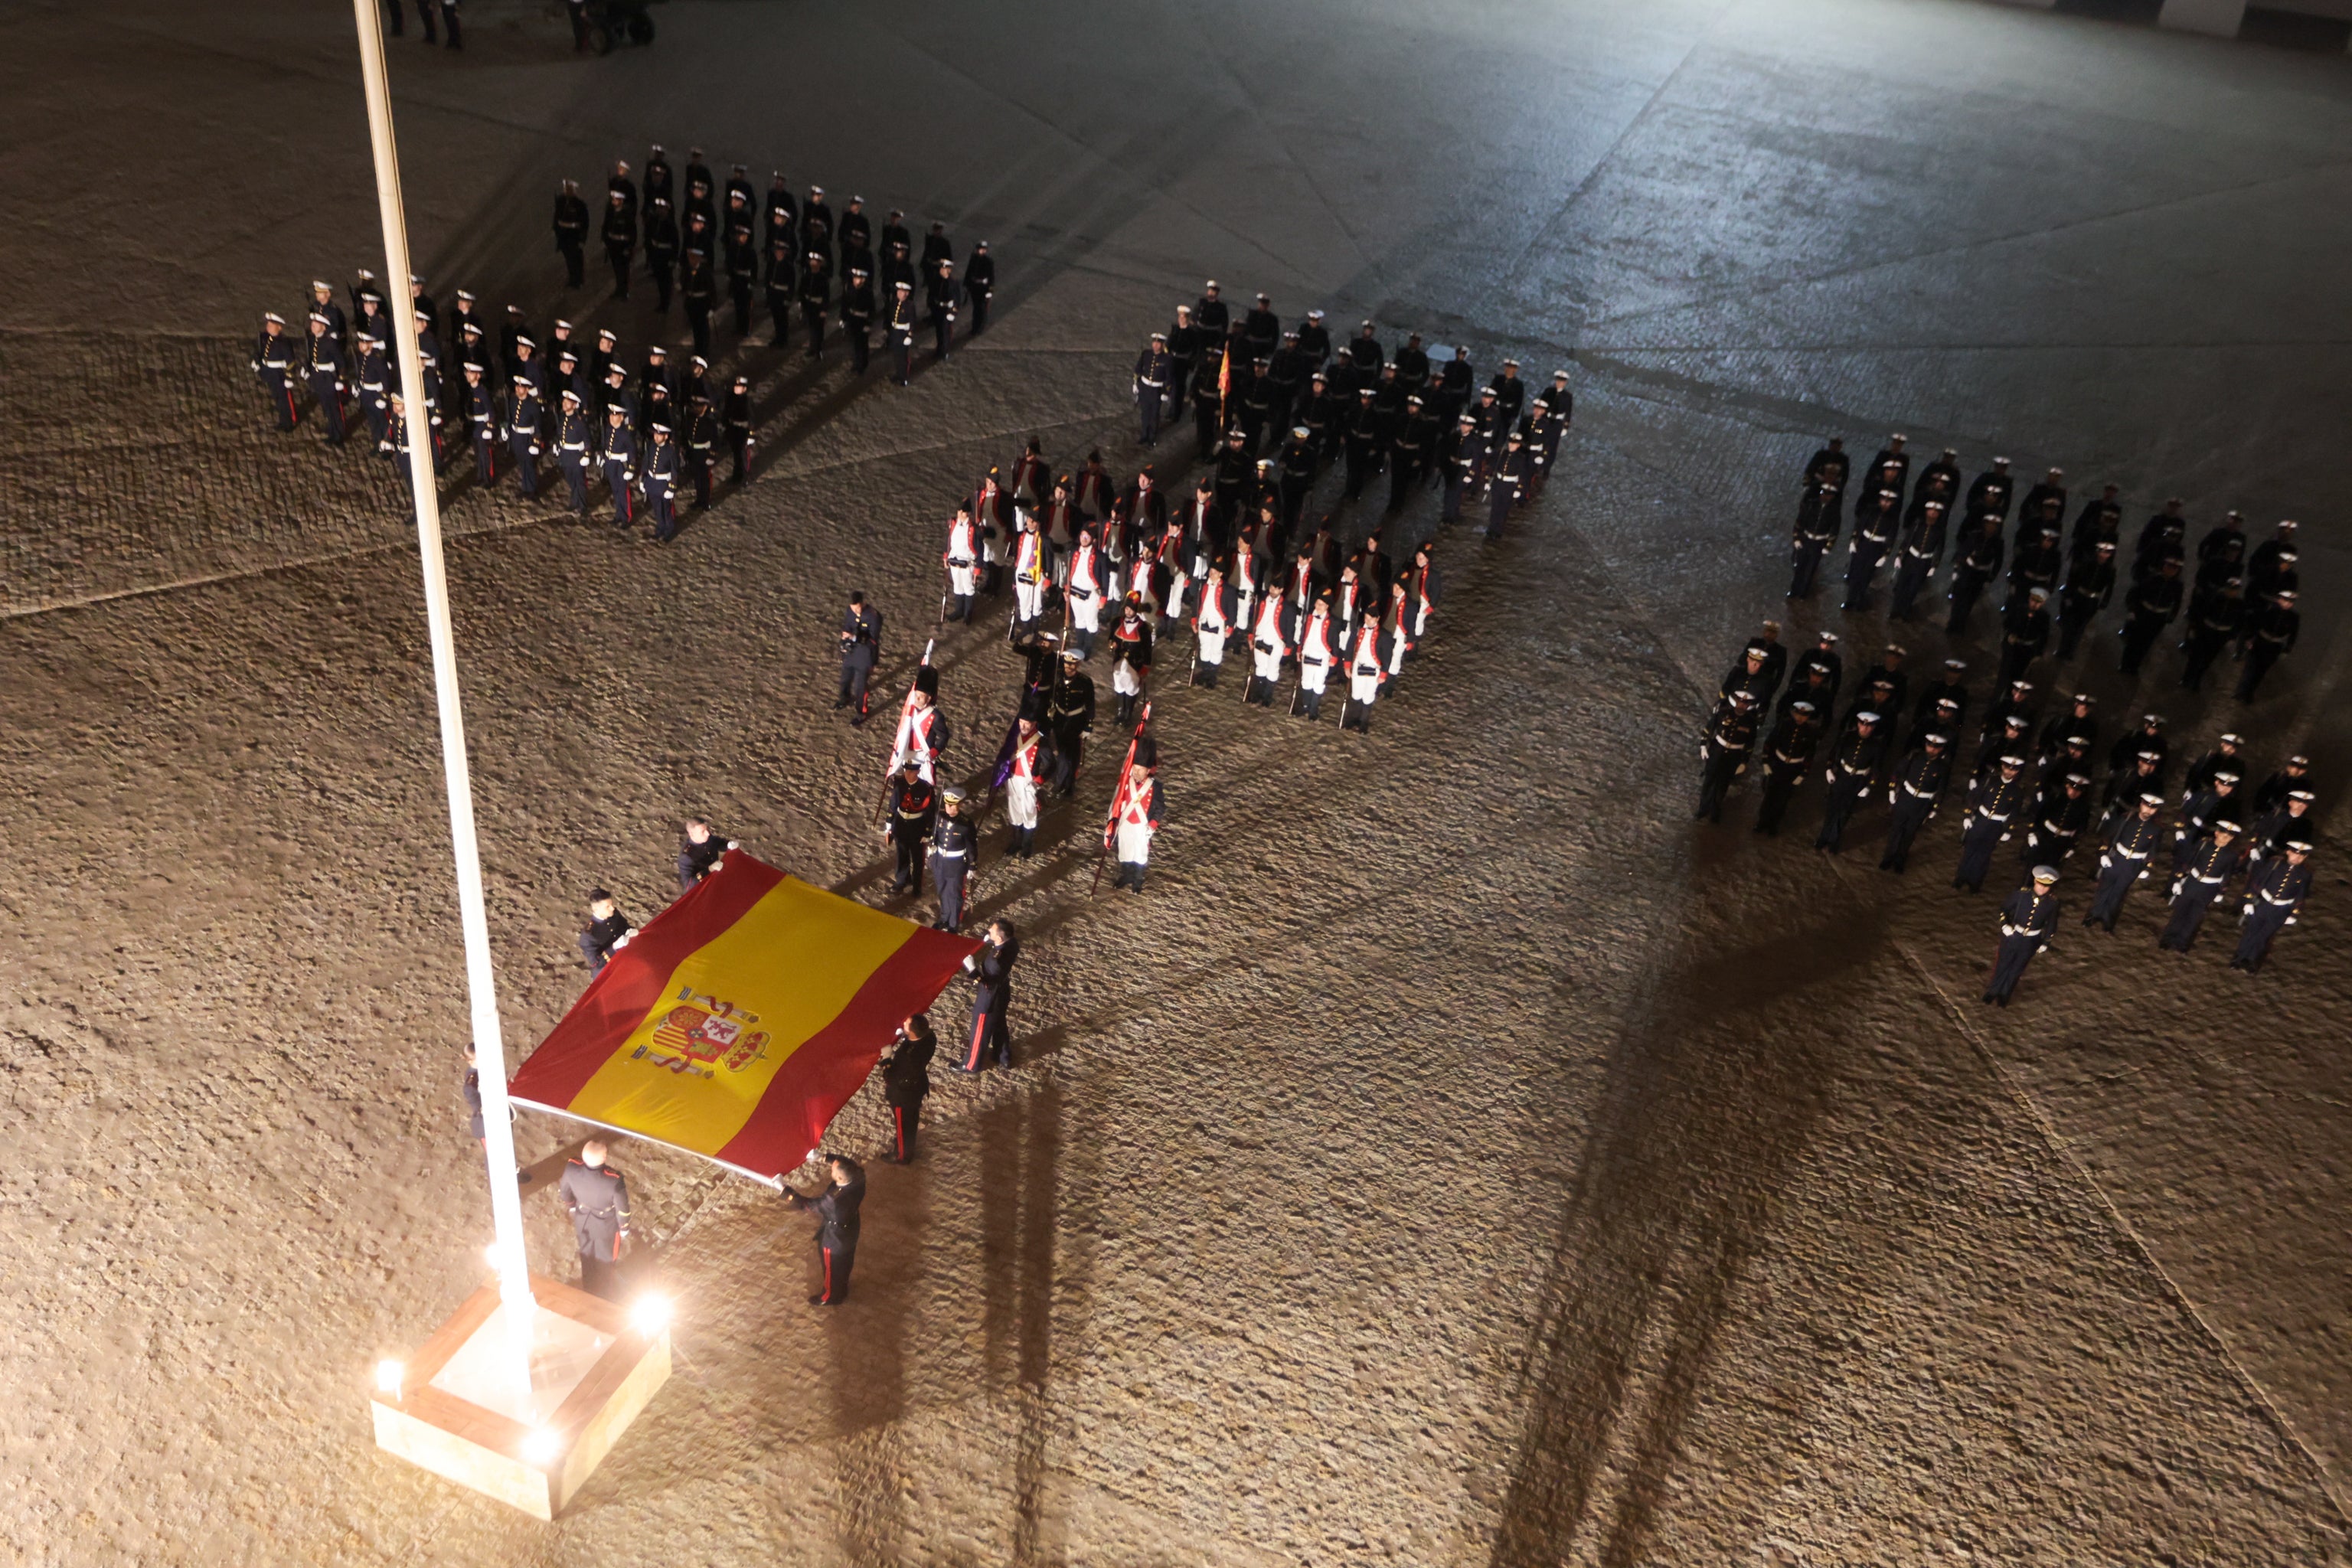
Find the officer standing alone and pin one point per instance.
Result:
(597, 1198)
(836, 1224)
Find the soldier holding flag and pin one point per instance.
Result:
(923, 729)
(1137, 810)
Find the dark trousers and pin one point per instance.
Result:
(280, 386)
(2115, 885)
(600, 1277)
(1845, 799)
(575, 475)
(1450, 507)
(698, 317)
(662, 502)
(2071, 628)
(1977, 841)
(2188, 907)
(1911, 579)
(1861, 571)
(698, 464)
(1204, 429)
(739, 290)
(1968, 587)
(616, 481)
(906, 1121)
(861, 347)
(988, 1038)
(1903, 831)
(902, 357)
(1402, 475)
(331, 405)
(835, 1260)
(853, 675)
(485, 455)
(1714, 780)
(2203, 649)
(979, 311)
(738, 441)
(660, 269)
(910, 863)
(1146, 413)
(1068, 746)
(2262, 928)
(2008, 967)
(526, 466)
(948, 878)
(2016, 659)
(812, 325)
(2259, 656)
(1779, 786)
(2139, 635)
(780, 318)
(575, 265)
(1805, 569)
(942, 333)
(618, 258)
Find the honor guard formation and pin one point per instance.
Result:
(767, 270)
(2033, 771)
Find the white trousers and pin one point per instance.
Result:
(1021, 801)
(1364, 688)
(1122, 679)
(1134, 843)
(1085, 611)
(959, 578)
(1212, 647)
(1311, 676)
(1030, 598)
(1266, 661)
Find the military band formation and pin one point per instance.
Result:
(566, 404)
(2039, 779)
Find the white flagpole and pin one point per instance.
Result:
(490, 1051)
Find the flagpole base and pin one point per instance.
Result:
(460, 1409)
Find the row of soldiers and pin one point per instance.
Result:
(516, 404)
(2030, 780)
(2237, 595)
(731, 241)
(1289, 399)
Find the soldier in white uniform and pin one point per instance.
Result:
(1032, 572)
(1137, 816)
(963, 557)
(1033, 764)
(1211, 622)
(1267, 650)
(1317, 651)
(1085, 592)
(1368, 661)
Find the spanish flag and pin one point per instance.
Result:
(738, 1022)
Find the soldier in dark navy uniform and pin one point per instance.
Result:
(861, 646)
(606, 932)
(1999, 797)
(1914, 797)
(2130, 849)
(597, 1198)
(913, 810)
(1788, 757)
(2274, 896)
(1724, 752)
(992, 968)
(836, 1224)
(699, 852)
(907, 1083)
(2204, 881)
(2026, 921)
(571, 233)
(1853, 764)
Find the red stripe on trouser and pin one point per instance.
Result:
(979, 1035)
(898, 1125)
(828, 1271)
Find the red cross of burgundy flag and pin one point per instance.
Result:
(738, 1022)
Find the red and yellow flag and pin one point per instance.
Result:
(740, 1020)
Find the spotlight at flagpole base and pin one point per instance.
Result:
(455, 1407)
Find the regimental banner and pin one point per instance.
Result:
(738, 1022)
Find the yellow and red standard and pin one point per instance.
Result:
(741, 1019)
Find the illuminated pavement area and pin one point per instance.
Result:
(1456, 1156)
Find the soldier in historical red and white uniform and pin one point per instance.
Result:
(962, 558)
(923, 729)
(1058, 521)
(1245, 574)
(1084, 591)
(1032, 573)
(1033, 764)
(1368, 667)
(1421, 577)
(1136, 814)
(1211, 625)
(1130, 656)
(1171, 576)
(1268, 648)
(1318, 650)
